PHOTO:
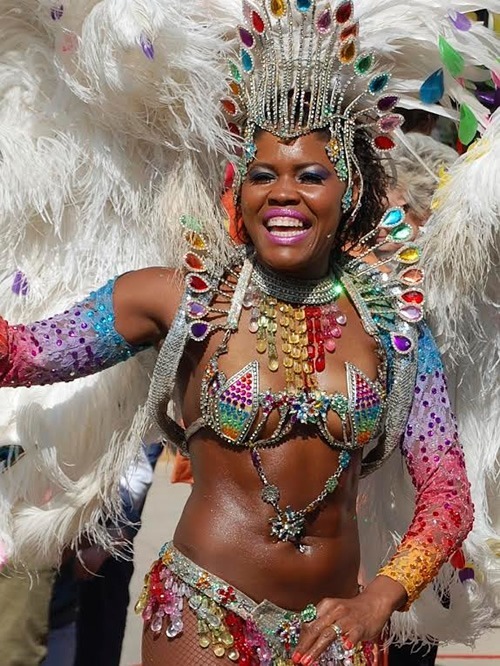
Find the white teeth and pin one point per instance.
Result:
(286, 234)
(284, 222)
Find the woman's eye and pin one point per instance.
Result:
(309, 177)
(260, 177)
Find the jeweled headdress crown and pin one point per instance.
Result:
(300, 70)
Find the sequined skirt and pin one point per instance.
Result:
(229, 623)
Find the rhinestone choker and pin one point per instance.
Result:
(290, 290)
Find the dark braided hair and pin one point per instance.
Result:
(373, 201)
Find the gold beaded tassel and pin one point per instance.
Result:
(299, 372)
(266, 331)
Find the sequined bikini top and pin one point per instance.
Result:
(237, 410)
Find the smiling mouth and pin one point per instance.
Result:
(286, 227)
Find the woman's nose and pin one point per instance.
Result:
(284, 191)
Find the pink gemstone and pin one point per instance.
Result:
(341, 319)
(246, 37)
(336, 332)
(196, 310)
(324, 22)
(390, 122)
(411, 313)
(330, 345)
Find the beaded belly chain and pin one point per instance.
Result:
(295, 322)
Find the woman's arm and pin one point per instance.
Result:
(442, 518)
(112, 324)
(444, 511)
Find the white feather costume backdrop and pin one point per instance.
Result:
(109, 130)
(93, 125)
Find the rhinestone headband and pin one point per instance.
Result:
(300, 70)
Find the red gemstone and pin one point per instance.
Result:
(319, 364)
(198, 284)
(194, 262)
(258, 23)
(384, 143)
(344, 12)
(349, 31)
(229, 106)
(413, 297)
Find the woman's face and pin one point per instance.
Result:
(291, 204)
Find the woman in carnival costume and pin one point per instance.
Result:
(287, 342)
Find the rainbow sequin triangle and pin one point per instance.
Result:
(238, 403)
(366, 405)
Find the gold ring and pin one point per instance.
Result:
(337, 630)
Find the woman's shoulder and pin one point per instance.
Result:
(152, 295)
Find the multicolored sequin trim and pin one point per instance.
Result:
(229, 623)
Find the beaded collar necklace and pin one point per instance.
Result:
(309, 323)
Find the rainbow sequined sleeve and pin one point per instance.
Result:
(76, 343)
(444, 511)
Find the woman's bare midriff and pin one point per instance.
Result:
(224, 527)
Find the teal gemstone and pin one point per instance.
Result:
(378, 83)
(235, 72)
(392, 218)
(402, 233)
(303, 5)
(246, 61)
(363, 64)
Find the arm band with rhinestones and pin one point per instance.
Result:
(444, 511)
(76, 343)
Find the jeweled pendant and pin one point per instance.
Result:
(401, 343)
(196, 240)
(413, 296)
(387, 103)
(190, 222)
(194, 262)
(344, 12)
(412, 276)
(196, 310)
(349, 32)
(197, 283)
(390, 122)
(258, 23)
(303, 5)
(347, 52)
(324, 22)
(246, 37)
(383, 142)
(392, 218)
(270, 494)
(409, 255)
(199, 330)
(235, 71)
(229, 107)
(246, 61)
(401, 234)
(378, 83)
(288, 525)
(278, 8)
(364, 64)
(235, 88)
(411, 313)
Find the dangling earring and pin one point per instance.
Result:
(347, 199)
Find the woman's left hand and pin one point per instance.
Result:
(361, 618)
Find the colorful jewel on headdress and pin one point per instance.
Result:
(407, 302)
(300, 70)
